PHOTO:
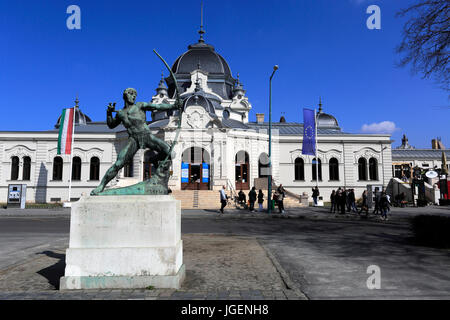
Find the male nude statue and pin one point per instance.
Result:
(133, 118)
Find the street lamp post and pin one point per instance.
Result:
(269, 195)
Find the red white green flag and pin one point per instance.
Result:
(66, 131)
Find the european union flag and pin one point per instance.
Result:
(309, 132)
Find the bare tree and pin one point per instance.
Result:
(426, 40)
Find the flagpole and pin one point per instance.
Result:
(71, 153)
(317, 160)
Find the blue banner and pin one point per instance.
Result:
(309, 132)
(184, 172)
(205, 172)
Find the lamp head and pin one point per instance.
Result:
(275, 67)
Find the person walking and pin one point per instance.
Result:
(343, 201)
(223, 199)
(384, 205)
(338, 199)
(252, 199)
(377, 202)
(347, 199)
(388, 203)
(260, 200)
(364, 205)
(352, 200)
(315, 194)
(275, 199)
(242, 200)
(281, 196)
(333, 201)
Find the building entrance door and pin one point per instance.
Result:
(195, 175)
(242, 171)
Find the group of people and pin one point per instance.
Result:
(252, 198)
(278, 198)
(344, 200)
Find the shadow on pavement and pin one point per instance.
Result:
(54, 272)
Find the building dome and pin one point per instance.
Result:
(325, 120)
(202, 56)
(80, 117)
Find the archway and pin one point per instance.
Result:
(148, 165)
(195, 169)
(242, 171)
(263, 165)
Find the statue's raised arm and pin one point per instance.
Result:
(110, 121)
(157, 107)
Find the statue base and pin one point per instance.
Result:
(121, 242)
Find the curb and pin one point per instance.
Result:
(284, 275)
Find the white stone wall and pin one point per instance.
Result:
(347, 149)
(41, 148)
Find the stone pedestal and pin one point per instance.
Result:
(304, 200)
(124, 242)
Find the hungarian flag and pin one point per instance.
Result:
(309, 132)
(66, 131)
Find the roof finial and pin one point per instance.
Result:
(320, 104)
(76, 102)
(201, 31)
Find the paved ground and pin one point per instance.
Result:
(246, 256)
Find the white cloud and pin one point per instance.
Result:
(381, 127)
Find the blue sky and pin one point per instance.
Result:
(323, 48)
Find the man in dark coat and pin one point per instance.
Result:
(252, 198)
(343, 201)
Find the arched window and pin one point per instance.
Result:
(263, 165)
(76, 169)
(242, 165)
(57, 168)
(149, 168)
(334, 169)
(314, 169)
(373, 169)
(14, 168)
(362, 169)
(94, 171)
(299, 168)
(128, 170)
(26, 168)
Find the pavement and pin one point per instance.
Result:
(218, 267)
(306, 253)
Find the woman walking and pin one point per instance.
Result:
(260, 200)
(333, 201)
(364, 205)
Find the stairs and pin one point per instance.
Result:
(199, 199)
(195, 199)
(210, 199)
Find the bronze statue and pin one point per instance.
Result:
(133, 118)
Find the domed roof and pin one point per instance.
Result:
(80, 117)
(325, 120)
(201, 56)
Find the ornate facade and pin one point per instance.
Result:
(218, 144)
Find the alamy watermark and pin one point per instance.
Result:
(374, 280)
(374, 21)
(74, 20)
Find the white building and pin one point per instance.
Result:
(218, 144)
